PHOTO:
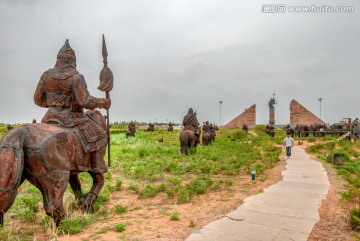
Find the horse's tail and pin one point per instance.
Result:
(11, 167)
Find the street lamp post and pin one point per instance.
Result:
(220, 102)
(320, 99)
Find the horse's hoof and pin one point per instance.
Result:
(87, 200)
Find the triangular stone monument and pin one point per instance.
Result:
(248, 117)
(299, 115)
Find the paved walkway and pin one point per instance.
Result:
(287, 210)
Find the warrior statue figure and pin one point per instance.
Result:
(190, 121)
(63, 91)
(272, 102)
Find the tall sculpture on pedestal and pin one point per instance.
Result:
(272, 102)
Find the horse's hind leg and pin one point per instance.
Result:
(1, 219)
(90, 198)
(53, 187)
(75, 185)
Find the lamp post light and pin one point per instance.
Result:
(320, 99)
(220, 102)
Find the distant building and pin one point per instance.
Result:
(248, 117)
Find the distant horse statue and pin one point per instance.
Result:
(49, 157)
(290, 130)
(189, 140)
(170, 127)
(151, 127)
(270, 130)
(206, 138)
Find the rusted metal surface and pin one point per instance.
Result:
(68, 141)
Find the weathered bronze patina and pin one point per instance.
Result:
(68, 141)
(206, 134)
(190, 135)
(170, 127)
(151, 127)
(131, 129)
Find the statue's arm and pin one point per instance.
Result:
(40, 94)
(84, 98)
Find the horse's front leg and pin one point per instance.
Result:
(90, 198)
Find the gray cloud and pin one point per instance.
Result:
(169, 55)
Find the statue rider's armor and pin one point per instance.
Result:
(206, 127)
(190, 121)
(64, 91)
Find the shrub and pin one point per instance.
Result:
(119, 209)
(355, 219)
(175, 216)
(120, 227)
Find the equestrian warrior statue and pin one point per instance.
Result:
(64, 92)
(190, 135)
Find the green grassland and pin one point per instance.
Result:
(148, 167)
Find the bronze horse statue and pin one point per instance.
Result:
(189, 140)
(49, 157)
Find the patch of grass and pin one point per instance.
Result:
(119, 209)
(191, 223)
(75, 225)
(120, 227)
(175, 216)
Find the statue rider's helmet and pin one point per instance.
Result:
(66, 56)
(190, 111)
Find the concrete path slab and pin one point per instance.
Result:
(287, 210)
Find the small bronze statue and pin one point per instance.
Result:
(68, 141)
(206, 134)
(170, 127)
(151, 127)
(9, 127)
(131, 129)
(190, 135)
(245, 128)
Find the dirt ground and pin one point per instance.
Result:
(149, 219)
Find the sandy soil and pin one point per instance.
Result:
(150, 218)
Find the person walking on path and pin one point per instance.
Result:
(288, 143)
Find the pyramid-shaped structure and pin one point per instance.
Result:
(248, 117)
(299, 115)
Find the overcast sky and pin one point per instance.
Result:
(167, 56)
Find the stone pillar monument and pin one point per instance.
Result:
(272, 102)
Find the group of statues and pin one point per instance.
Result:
(270, 130)
(190, 135)
(208, 133)
(69, 140)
